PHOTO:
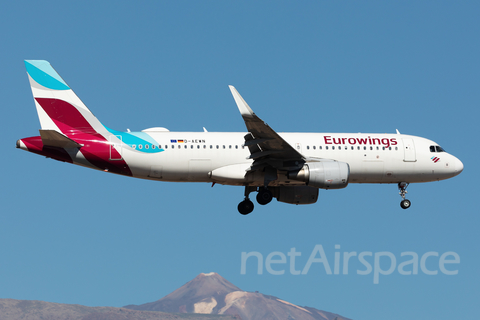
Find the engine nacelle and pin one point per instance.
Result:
(325, 174)
(295, 194)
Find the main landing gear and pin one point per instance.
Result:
(264, 196)
(245, 207)
(405, 203)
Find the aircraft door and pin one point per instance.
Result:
(156, 172)
(116, 148)
(409, 150)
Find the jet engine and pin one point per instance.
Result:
(324, 174)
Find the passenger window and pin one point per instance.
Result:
(211, 147)
(140, 146)
(326, 147)
(146, 146)
(236, 147)
(314, 147)
(320, 147)
(134, 146)
(308, 147)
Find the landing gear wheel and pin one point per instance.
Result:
(405, 204)
(245, 207)
(264, 196)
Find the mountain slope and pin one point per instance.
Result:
(39, 310)
(212, 294)
(200, 295)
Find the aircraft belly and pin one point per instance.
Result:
(198, 169)
(393, 172)
(367, 172)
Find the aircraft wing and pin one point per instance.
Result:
(266, 146)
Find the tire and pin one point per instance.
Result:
(405, 204)
(245, 207)
(264, 196)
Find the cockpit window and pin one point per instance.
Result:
(436, 149)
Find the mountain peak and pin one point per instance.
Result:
(205, 293)
(210, 293)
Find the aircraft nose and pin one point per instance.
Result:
(458, 166)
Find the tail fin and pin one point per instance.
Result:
(58, 107)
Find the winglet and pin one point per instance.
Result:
(243, 107)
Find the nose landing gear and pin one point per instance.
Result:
(405, 203)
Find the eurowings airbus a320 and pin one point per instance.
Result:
(290, 167)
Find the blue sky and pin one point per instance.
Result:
(73, 235)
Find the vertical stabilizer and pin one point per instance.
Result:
(58, 107)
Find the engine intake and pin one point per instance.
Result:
(326, 174)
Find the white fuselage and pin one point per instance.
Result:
(222, 158)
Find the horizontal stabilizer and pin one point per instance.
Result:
(52, 138)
